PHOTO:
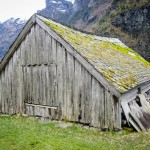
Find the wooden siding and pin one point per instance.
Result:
(42, 75)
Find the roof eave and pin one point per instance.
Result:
(132, 93)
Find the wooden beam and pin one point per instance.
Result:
(44, 106)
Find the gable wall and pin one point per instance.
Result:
(43, 72)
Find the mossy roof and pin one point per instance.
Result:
(120, 65)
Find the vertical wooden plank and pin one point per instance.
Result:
(70, 87)
(64, 82)
(60, 78)
(53, 57)
(9, 85)
(29, 54)
(88, 96)
(82, 95)
(14, 84)
(6, 92)
(41, 45)
(11, 81)
(77, 90)
(2, 82)
(23, 52)
(25, 83)
(54, 82)
(96, 103)
(47, 86)
(30, 45)
(34, 44)
(51, 86)
(37, 45)
(38, 84)
(55, 101)
(46, 46)
(44, 85)
(111, 112)
(50, 51)
(35, 86)
(106, 103)
(117, 113)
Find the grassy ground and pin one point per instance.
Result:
(18, 133)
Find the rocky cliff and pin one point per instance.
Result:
(59, 10)
(136, 22)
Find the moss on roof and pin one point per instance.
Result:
(120, 65)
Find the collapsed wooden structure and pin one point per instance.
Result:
(54, 71)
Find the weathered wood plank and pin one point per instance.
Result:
(106, 108)
(95, 104)
(126, 109)
(117, 113)
(102, 106)
(63, 62)
(77, 91)
(70, 87)
(88, 96)
(60, 78)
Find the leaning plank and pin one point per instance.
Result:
(134, 124)
(140, 115)
(126, 109)
(144, 102)
(133, 115)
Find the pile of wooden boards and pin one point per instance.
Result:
(137, 112)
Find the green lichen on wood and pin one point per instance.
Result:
(126, 51)
(117, 63)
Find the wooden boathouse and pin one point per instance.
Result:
(54, 71)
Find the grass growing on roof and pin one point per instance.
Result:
(116, 62)
(18, 133)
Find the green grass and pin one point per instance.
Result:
(18, 133)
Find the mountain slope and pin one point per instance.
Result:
(8, 32)
(125, 19)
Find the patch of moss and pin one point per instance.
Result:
(126, 51)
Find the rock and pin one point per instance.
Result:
(64, 125)
(86, 127)
(24, 115)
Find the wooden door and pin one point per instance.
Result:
(40, 89)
